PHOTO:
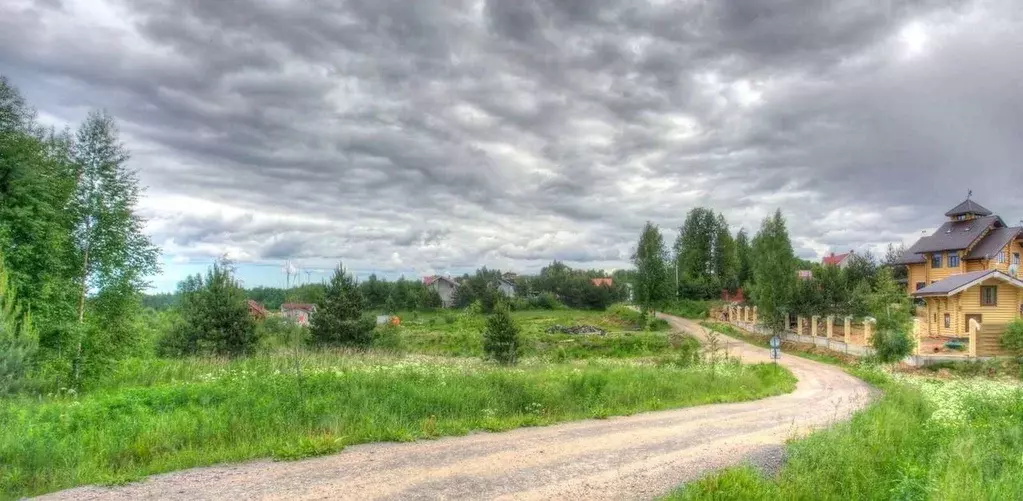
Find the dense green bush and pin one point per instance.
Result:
(501, 337)
(1012, 339)
(339, 319)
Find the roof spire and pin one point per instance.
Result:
(969, 194)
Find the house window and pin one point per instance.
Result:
(1015, 258)
(948, 321)
(989, 296)
(953, 260)
(921, 285)
(936, 261)
(1001, 257)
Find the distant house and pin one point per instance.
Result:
(805, 274)
(601, 282)
(256, 310)
(300, 313)
(840, 260)
(444, 286)
(506, 287)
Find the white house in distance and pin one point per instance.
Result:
(840, 260)
(506, 287)
(444, 286)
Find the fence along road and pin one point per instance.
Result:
(634, 457)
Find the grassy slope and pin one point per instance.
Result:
(161, 415)
(923, 439)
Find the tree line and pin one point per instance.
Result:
(707, 258)
(71, 240)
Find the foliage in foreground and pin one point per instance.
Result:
(162, 415)
(1012, 339)
(923, 439)
(17, 338)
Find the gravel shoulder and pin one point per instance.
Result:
(634, 457)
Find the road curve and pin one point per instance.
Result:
(634, 457)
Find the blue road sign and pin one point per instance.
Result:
(775, 353)
(775, 342)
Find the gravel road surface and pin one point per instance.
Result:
(634, 457)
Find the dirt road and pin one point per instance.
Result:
(636, 457)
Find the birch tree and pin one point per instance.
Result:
(112, 254)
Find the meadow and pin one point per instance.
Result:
(424, 379)
(924, 439)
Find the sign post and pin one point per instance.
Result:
(775, 349)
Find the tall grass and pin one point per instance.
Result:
(960, 439)
(160, 415)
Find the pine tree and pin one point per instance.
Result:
(214, 317)
(890, 306)
(501, 336)
(338, 320)
(725, 256)
(651, 283)
(113, 255)
(744, 256)
(774, 271)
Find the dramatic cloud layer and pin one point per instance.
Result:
(414, 137)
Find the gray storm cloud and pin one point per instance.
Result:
(460, 133)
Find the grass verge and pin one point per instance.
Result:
(162, 415)
(923, 439)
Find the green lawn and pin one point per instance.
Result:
(155, 415)
(452, 334)
(924, 439)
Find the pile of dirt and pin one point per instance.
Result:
(578, 329)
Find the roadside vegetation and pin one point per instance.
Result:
(154, 415)
(924, 439)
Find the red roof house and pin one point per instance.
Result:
(600, 282)
(840, 260)
(256, 310)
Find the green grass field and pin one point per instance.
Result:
(453, 334)
(154, 415)
(924, 439)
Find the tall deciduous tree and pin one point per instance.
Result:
(651, 286)
(694, 247)
(113, 255)
(338, 319)
(774, 271)
(35, 185)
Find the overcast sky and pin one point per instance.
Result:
(432, 136)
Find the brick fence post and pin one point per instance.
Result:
(799, 325)
(848, 330)
(813, 325)
(831, 326)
